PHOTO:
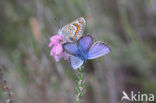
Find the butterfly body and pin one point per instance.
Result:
(84, 49)
(80, 53)
(74, 29)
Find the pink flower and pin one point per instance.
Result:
(57, 52)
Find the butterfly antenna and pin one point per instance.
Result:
(57, 22)
(60, 24)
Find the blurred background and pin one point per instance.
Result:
(128, 26)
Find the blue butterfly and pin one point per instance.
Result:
(84, 49)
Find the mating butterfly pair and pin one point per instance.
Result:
(84, 48)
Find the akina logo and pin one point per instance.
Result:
(138, 96)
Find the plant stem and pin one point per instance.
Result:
(5, 85)
(80, 84)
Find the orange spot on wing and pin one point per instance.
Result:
(77, 26)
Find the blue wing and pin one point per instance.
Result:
(75, 62)
(85, 42)
(70, 48)
(97, 50)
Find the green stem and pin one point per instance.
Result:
(80, 84)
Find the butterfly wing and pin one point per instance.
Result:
(98, 49)
(81, 24)
(68, 30)
(75, 62)
(70, 48)
(74, 29)
(85, 42)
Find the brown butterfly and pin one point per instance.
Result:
(73, 30)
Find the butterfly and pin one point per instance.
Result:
(73, 30)
(85, 49)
